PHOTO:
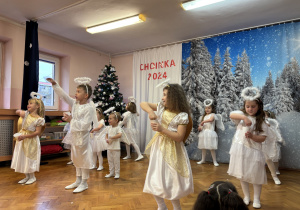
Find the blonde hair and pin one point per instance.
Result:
(100, 112)
(116, 115)
(41, 109)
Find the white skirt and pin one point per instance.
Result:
(132, 134)
(164, 181)
(22, 163)
(99, 144)
(247, 164)
(208, 139)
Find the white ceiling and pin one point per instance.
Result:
(166, 22)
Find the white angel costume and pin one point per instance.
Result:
(208, 138)
(247, 161)
(271, 146)
(99, 142)
(83, 115)
(169, 173)
(131, 132)
(27, 153)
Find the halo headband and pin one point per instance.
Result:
(208, 102)
(34, 95)
(83, 81)
(164, 83)
(131, 99)
(250, 94)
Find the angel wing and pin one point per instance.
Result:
(219, 122)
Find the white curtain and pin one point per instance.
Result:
(151, 67)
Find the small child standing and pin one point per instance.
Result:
(271, 147)
(113, 135)
(129, 124)
(247, 161)
(208, 138)
(83, 115)
(169, 174)
(66, 145)
(99, 143)
(27, 152)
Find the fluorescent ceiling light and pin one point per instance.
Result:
(188, 5)
(116, 24)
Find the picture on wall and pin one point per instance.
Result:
(220, 67)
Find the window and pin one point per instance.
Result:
(48, 68)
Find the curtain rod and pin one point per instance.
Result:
(209, 36)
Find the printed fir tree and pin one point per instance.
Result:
(106, 92)
(227, 90)
(283, 99)
(268, 93)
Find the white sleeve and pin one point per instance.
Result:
(62, 94)
(125, 120)
(236, 122)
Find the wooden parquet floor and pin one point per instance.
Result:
(127, 192)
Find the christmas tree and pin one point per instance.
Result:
(106, 92)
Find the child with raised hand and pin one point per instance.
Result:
(271, 146)
(27, 152)
(247, 161)
(129, 124)
(83, 115)
(113, 135)
(99, 143)
(169, 174)
(208, 138)
(220, 195)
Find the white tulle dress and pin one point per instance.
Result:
(83, 115)
(129, 124)
(271, 146)
(169, 173)
(99, 143)
(27, 153)
(247, 161)
(208, 138)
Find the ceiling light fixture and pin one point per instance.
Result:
(116, 24)
(188, 5)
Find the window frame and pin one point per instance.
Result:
(56, 61)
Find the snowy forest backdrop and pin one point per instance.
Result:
(219, 68)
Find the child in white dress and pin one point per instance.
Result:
(67, 146)
(27, 152)
(129, 124)
(271, 147)
(247, 161)
(81, 120)
(113, 135)
(208, 138)
(169, 174)
(99, 143)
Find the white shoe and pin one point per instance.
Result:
(246, 201)
(81, 188)
(276, 180)
(127, 157)
(31, 180)
(216, 164)
(72, 186)
(277, 172)
(23, 181)
(139, 158)
(256, 205)
(70, 163)
(109, 175)
(117, 176)
(100, 168)
(200, 162)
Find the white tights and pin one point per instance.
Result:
(135, 146)
(162, 205)
(213, 155)
(256, 189)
